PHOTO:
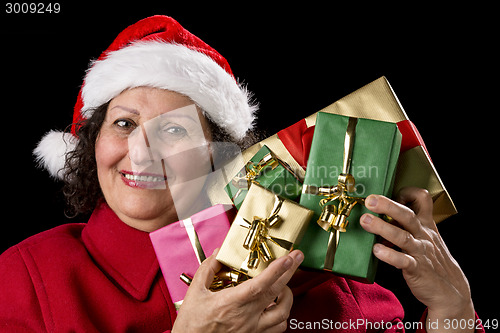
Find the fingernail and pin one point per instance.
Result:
(371, 201)
(298, 256)
(376, 248)
(367, 218)
(287, 263)
(215, 252)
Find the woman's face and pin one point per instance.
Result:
(153, 157)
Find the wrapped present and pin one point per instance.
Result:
(350, 158)
(181, 246)
(269, 171)
(266, 227)
(376, 101)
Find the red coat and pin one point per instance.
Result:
(103, 276)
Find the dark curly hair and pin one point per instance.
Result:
(81, 185)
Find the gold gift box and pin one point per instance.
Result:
(266, 227)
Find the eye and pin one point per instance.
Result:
(176, 130)
(124, 124)
(173, 132)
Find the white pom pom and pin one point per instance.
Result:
(50, 152)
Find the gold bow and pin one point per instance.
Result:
(247, 175)
(258, 235)
(335, 216)
(252, 170)
(222, 280)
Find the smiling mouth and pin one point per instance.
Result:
(144, 180)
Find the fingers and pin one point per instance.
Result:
(402, 214)
(420, 201)
(412, 235)
(266, 286)
(251, 304)
(205, 274)
(397, 236)
(395, 258)
(417, 201)
(274, 319)
(297, 257)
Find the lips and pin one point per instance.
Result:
(143, 180)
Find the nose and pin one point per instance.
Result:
(139, 149)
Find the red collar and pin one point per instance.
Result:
(125, 254)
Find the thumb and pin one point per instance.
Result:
(205, 274)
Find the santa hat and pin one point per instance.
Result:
(156, 52)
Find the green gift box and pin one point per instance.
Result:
(346, 149)
(266, 169)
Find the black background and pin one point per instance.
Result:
(296, 59)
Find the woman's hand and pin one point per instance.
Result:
(434, 277)
(248, 307)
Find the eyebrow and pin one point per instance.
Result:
(131, 110)
(136, 112)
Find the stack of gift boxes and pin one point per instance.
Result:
(304, 188)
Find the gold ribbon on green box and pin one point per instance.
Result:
(334, 216)
(329, 190)
(267, 227)
(268, 170)
(252, 170)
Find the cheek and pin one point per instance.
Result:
(190, 164)
(109, 151)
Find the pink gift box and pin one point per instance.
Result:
(175, 245)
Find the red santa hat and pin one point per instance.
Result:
(156, 52)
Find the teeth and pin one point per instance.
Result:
(139, 178)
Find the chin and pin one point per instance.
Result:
(148, 207)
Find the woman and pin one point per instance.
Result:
(139, 156)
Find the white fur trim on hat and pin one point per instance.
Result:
(172, 67)
(50, 152)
